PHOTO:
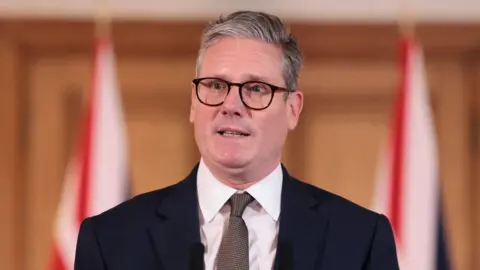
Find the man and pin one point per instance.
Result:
(239, 208)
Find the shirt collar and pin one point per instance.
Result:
(213, 194)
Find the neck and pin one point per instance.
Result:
(243, 177)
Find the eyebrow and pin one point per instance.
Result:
(248, 77)
(252, 77)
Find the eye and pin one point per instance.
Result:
(214, 84)
(257, 88)
(217, 85)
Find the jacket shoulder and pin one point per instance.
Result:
(134, 212)
(339, 208)
(359, 233)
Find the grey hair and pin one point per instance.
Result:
(261, 26)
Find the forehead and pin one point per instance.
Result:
(241, 59)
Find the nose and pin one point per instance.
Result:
(233, 104)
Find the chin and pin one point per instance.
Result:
(232, 160)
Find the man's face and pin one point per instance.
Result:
(240, 60)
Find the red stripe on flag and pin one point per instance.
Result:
(396, 188)
(86, 144)
(83, 192)
(56, 262)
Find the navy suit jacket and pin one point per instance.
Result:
(157, 230)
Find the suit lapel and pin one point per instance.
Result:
(177, 230)
(302, 225)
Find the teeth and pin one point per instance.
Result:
(232, 133)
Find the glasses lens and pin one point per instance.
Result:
(256, 95)
(212, 91)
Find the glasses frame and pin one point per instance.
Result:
(274, 88)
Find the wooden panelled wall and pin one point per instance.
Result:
(349, 81)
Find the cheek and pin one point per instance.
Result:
(273, 130)
(203, 120)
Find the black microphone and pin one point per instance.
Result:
(196, 257)
(286, 256)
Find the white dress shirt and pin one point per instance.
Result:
(261, 216)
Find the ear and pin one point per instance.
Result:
(294, 109)
(193, 103)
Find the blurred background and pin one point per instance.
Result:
(350, 80)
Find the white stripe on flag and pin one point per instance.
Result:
(417, 243)
(421, 171)
(66, 229)
(108, 179)
(109, 153)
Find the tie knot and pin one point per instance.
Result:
(239, 202)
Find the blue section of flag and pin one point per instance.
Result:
(443, 260)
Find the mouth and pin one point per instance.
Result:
(232, 133)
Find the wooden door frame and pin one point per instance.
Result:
(24, 40)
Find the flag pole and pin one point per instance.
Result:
(102, 20)
(101, 33)
(406, 20)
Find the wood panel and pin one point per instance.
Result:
(9, 154)
(349, 85)
(43, 178)
(453, 127)
(476, 160)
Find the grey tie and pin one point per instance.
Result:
(233, 253)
